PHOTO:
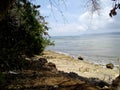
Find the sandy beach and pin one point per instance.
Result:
(57, 71)
(83, 68)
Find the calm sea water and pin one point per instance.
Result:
(100, 49)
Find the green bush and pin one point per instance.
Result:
(1, 77)
(22, 32)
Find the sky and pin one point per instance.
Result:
(74, 17)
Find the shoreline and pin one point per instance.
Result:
(96, 59)
(67, 63)
(87, 60)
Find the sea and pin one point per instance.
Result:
(94, 48)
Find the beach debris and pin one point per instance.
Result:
(51, 67)
(98, 82)
(56, 86)
(43, 61)
(49, 57)
(80, 58)
(110, 66)
(116, 83)
(50, 64)
(12, 72)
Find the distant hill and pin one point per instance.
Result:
(96, 34)
(112, 33)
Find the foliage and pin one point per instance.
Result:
(23, 31)
(1, 77)
(4, 6)
(94, 5)
(116, 6)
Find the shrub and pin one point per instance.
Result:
(22, 32)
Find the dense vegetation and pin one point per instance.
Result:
(23, 32)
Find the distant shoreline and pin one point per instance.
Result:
(91, 34)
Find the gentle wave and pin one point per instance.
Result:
(101, 49)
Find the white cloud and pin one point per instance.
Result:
(95, 21)
(86, 22)
(66, 29)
